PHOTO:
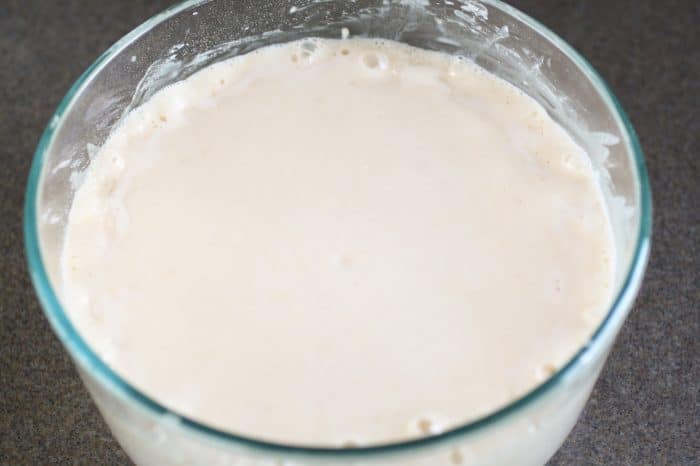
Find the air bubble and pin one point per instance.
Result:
(375, 61)
(429, 424)
(425, 426)
(545, 371)
(370, 60)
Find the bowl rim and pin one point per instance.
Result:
(83, 354)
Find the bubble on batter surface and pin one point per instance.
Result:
(374, 61)
(428, 424)
(545, 371)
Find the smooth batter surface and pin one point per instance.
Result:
(338, 242)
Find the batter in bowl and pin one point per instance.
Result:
(338, 242)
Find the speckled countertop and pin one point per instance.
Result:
(645, 410)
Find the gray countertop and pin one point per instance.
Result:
(645, 410)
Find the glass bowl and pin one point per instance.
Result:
(195, 33)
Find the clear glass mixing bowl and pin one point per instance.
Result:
(193, 34)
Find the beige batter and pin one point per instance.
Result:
(338, 242)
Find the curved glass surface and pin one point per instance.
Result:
(80, 350)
